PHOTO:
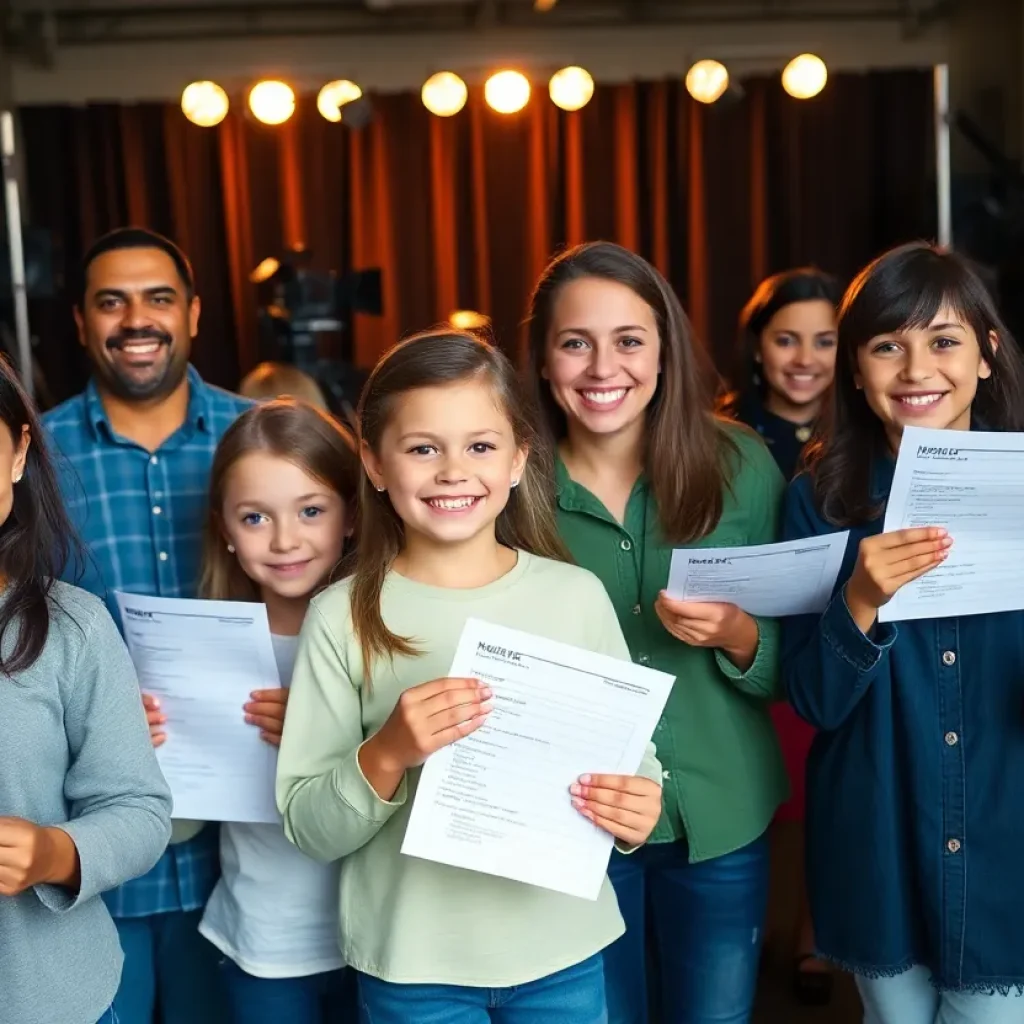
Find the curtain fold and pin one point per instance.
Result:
(463, 212)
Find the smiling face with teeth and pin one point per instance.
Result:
(797, 356)
(603, 357)
(136, 322)
(925, 376)
(447, 459)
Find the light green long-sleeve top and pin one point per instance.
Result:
(403, 919)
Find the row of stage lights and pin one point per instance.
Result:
(507, 92)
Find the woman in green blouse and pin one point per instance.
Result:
(645, 467)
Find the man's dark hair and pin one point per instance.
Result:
(136, 238)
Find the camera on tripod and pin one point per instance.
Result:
(303, 312)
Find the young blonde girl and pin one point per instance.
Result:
(282, 504)
(458, 522)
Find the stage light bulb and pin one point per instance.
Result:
(571, 88)
(333, 97)
(468, 320)
(204, 103)
(707, 81)
(507, 92)
(805, 76)
(272, 102)
(444, 94)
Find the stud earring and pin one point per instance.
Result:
(515, 484)
(17, 479)
(231, 548)
(381, 489)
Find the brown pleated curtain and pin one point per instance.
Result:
(464, 212)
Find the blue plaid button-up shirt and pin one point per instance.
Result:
(141, 516)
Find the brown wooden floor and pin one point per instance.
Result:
(774, 1003)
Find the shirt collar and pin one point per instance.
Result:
(565, 487)
(197, 417)
(573, 497)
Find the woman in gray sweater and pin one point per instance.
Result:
(83, 805)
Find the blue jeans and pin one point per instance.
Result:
(573, 996)
(910, 998)
(328, 998)
(170, 967)
(705, 921)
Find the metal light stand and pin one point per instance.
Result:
(14, 242)
(943, 168)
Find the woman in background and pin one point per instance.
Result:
(785, 362)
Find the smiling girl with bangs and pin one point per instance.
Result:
(916, 777)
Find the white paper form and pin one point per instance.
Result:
(202, 660)
(795, 577)
(971, 483)
(498, 801)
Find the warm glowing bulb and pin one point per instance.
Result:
(707, 80)
(334, 95)
(272, 102)
(204, 103)
(444, 94)
(468, 320)
(507, 92)
(805, 76)
(571, 88)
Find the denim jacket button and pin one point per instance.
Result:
(948, 657)
(952, 739)
(953, 846)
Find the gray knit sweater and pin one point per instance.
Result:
(75, 752)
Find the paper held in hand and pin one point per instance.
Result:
(796, 577)
(202, 660)
(498, 800)
(972, 484)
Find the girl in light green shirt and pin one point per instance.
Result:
(457, 523)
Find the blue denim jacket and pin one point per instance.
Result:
(915, 782)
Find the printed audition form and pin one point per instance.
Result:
(202, 660)
(972, 484)
(795, 577)
(497, 801)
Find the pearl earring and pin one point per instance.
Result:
(231, 548)
(381, 489)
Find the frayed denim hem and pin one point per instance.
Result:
(874, 972)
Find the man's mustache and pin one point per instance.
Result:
(119, 340)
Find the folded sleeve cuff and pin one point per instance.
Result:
(844, 636)
(355, 791)
(56, 897)
(727, 667)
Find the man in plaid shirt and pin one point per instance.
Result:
(135, 450)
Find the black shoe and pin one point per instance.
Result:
(811, 988)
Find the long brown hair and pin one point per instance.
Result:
(286, 428)
(527, 523)
(901, 290)
(687, 448)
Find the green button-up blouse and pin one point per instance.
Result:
(723, 771)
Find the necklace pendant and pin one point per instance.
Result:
(803, 434)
